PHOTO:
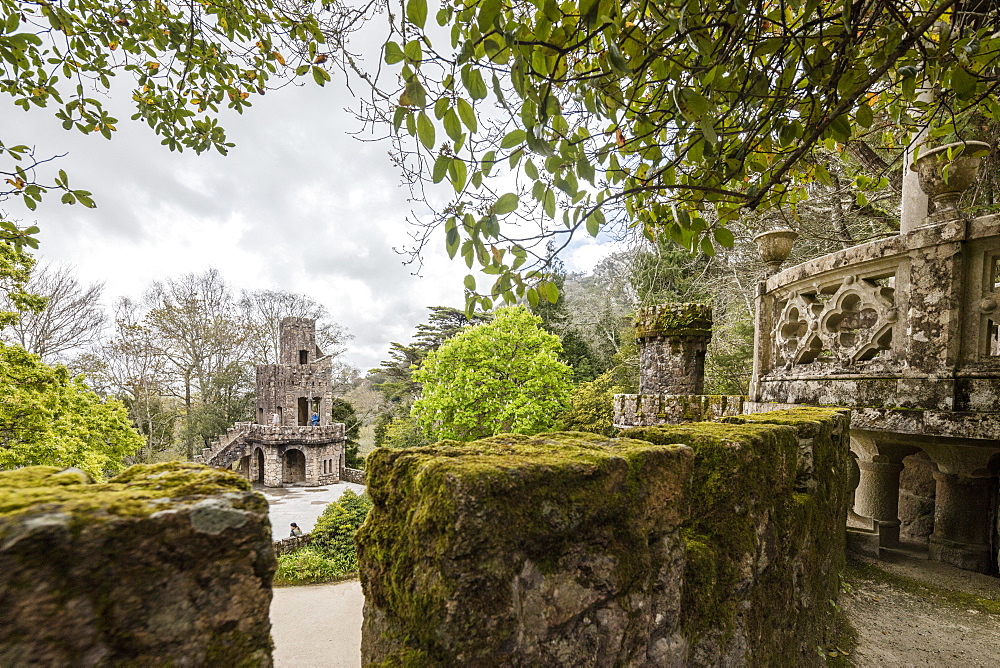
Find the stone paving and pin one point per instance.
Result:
(302, 505)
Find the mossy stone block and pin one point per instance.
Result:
(527, 550)
(165, 564)
(765, 538)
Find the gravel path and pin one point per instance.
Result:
(317, 625)
(899, 624)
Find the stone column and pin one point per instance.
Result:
(672, 339)
(914, 203)
(961, 521)
(877, 497)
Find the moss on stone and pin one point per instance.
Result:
(754, 541)
(139, 491)
(459, 521)
(674, 320)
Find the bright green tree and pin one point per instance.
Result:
(592, 406)
(49, 417)
(677, 117)
(502, 376)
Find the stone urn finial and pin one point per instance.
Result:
(775, 246)
(947, 171)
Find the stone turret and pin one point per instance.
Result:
(672, 340)
(301, 384)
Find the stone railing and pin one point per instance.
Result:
(907, 322)
(700, 544)
(290, 544)
(644, 410)
(352, 475)
(229, 447)
(211, 454)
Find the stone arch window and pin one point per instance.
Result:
(303, 357)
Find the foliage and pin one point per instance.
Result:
(502, 376)
(556, 319)
(331, 555)
(309, 565)
(48, 417)
(15, 272)
(186, 61)
(341, 410)
(592, 406)
(335, 528)
(675, 117)
(396, 381)
(402, 432)
(729, 364)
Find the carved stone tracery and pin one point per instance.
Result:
(846, 323)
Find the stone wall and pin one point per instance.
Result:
(646, 410)
(702, 544)
(292, 543)
(673, 339)
(356, 476)
(165, 564)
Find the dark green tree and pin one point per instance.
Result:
(343, 411)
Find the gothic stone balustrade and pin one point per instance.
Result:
(906, 331)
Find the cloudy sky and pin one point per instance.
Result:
(298, 205)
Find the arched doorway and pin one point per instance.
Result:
(243, 466)
(258, 457)
(293, 466)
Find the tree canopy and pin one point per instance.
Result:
(677, 117)
(186, 61)
(501, 376)
(50, 417)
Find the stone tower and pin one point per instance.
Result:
(302, 383)
(672, 340)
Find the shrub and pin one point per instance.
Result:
(335, 528)
(309, 565)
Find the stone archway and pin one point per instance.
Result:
(258, 471)
(293, 466)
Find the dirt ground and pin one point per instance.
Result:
(921, 613)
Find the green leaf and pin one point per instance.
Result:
(489, 10)
(706, 247)
(550, 203)
(413, 51)
(451, 242)
(593, 225)
(470, 283)
(416, 12)
(425, 131)
(864, 116)
(452, 125)
(441, 166)
(506, 204)
(467, 114)
(724, 237)
(512, 139)
(548, 291)
(457, 173)
(393, 54)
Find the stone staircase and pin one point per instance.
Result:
(227, 448)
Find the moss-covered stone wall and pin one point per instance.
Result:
(165, 564)
(701, 544)
(547, 550)
(765, 538)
